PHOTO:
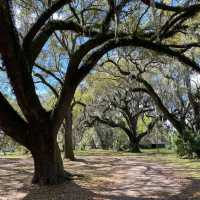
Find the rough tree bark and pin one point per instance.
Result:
(48, 165)
(47, 161)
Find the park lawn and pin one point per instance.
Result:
(162, 156)
(101, 152)
(11, 155)
(105, 174)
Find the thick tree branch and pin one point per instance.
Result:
(136, 42)
(11, 123)
(171, 117)
(17, 68)
(166, 7)
(111, 124)
(48, 30)
(41, 21)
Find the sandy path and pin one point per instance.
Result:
(102, 177)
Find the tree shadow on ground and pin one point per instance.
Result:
(73, 191)
(111, 178)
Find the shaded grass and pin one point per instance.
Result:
(108, 175)
(162, 156)
(13, 155)
(101, 152)
(191, 167)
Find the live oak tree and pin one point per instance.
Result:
(122, 109)
(171, 91)
(100, 25)
(185, 105)
(181, 114)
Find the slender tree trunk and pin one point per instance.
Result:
(68, 143)
(48, 163)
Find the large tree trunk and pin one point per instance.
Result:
(134, 145)
(68, 142)
(48, 163)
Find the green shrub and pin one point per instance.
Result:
(189, 147)
(183, 148)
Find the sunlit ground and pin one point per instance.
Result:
(107, 175)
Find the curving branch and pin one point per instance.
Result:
(16, 65)
(132, 41)
(43, 18)
(165, 7)
(49, 29)
(11, 122)
(112, 124)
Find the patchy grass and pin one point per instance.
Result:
(101, 175)
(162, 156)
(101, 152)
(191, 166)
(14, 155)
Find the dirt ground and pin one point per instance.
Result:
(101, 177)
